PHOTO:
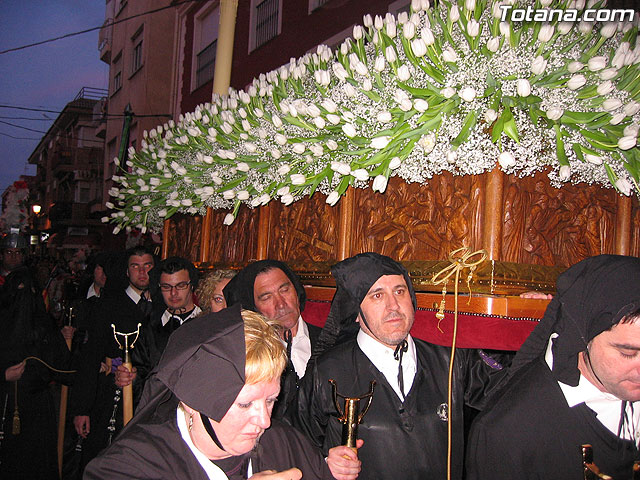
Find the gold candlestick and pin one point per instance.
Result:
(351, 415)
(127, 390)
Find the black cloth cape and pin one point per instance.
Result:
(153, 449)
(407, 439)
(592, 296)
(26, 330)
(93, 393)
(531, 433)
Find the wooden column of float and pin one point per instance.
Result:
(492, 231)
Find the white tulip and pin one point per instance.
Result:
(395, 163)
(379, 64)
(448, 92)
(608, 30)
(564, 27)
(319, 122)
(593, 159)
(546, 32)
(605, 87)
(627, 143)
(454, 14)
(379, 184)
(243, 167)
(367, 20)
(229, 194)
(617, 118)
(490, 115)
(340, 167)
(538, 65)
(523, 87)
(275, 153)
(390, 29)
(631, 130)
(449, 55)
(493, 44)
(380, 142)
(277, 122)
(333, 198)
(608, 73)
(506, 160)
(555, 113)
(349, 130)
(631, 108)
(452, 156)
(333, 118)
(409, 30)
(403, 73)
(322, 77)
(611, 104)
(575, 66)
(280, 139)
(242, 195)
(420, 105)
(361, 69)
(473, 28)
(384, 116)
(298, 148)
(349, 90)
(332, 145)
(597, 63)
(329, 105)
(576, 82)
(427, 36)
(287, 199)
(467, 94)
(298, 179)
(378, 23)
(367, 85)
(419, 47)
(358, 32)
(427, 143)
(624, 186)
(162, 213)
(585, 27)
(390, 54)
(470, 5)
(505, 29)
(360, 174)
(564, 173)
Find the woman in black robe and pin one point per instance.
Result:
(205, 412)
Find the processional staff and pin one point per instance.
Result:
(127, 390)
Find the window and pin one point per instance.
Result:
(204, 44)
(266, 22)
(116, 66)
(136, 56)
(315, 4)
(117, 82)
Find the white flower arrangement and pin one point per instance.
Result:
(449, 88)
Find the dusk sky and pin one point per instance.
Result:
(45, 76)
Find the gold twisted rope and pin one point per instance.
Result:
(459, 260)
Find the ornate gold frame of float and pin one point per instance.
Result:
(530, 230)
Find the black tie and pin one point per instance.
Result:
(173, 323)
(289, 339)
(144, 304)
(401, 348)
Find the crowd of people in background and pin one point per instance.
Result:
(204, 409)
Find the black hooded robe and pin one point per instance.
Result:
(531, 433)
(154, 450)
(406, 440)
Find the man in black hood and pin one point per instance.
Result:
(405, 429)
(271, 288)
(575, 381)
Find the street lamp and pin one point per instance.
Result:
(36, 208)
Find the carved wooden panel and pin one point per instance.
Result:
(412, 221)
(305, 232)
(550, 226)
(184, 236)
(233, 244)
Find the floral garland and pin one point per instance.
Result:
(450, 88)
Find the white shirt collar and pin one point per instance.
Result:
(382, 358)
(133, 295)
(606, 406)
(300, 348)
(91, 292)
(166, 316)
(211, 469)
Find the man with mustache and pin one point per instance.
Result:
(404, 432)
(271, 288)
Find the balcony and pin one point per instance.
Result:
(104, 40)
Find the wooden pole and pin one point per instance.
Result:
(492, 214)
(623, 226)
(221, 82)
(127, 392)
